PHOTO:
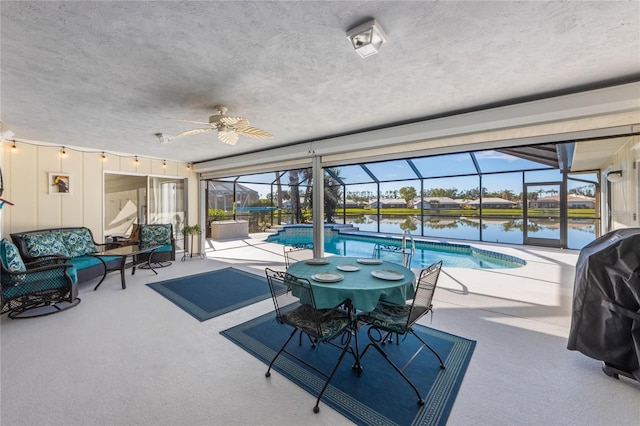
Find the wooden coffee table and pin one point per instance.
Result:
(123, 253)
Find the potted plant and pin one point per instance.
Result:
(191, 231)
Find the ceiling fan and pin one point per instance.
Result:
(229, 128)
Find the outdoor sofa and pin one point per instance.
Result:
(73, 244)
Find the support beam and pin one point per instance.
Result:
(318, 207)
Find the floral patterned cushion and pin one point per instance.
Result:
(10, 257)
(155, 235)
(307, 319)
(78, 242)
(388, 316)
(45, 244)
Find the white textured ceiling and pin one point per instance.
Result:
(108, 75)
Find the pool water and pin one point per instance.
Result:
(362, 245)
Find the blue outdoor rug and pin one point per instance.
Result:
(214, 293)
(380, 396)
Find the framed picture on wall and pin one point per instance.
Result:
(59, 184)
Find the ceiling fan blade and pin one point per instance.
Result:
(232, 121)
(188, 121)
(193, 132)
(228, 137)
(254, 132)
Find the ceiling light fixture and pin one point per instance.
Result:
(103, 156)
(136, 160)
(163, 138)
(614, 176)
(14, 147)
(63, 152)
(164, 163)
(367, 38)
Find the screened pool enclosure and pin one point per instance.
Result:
(524, 195)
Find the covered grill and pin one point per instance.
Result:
(605, 321)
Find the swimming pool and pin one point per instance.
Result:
(346, 240)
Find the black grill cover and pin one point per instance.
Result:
(605, 321)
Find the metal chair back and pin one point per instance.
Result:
(425, 289)
(297, 252)
(289, 293)
(405, 251)
(380, 251)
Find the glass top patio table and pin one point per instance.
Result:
(360, 287)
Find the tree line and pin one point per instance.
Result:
(300, 198)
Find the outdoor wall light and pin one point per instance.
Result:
(367, 38)
(614, 176)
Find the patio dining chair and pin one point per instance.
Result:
(397, 253)
(391, 318)
(393, 254)
(295, 306)
(297, 252)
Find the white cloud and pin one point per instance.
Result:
(494, 155)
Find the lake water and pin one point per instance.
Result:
(496, 230)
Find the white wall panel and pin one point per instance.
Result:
(26, 180)
(48, 207)
(92, 185)
(72, 205)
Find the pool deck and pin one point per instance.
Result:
(521, 371)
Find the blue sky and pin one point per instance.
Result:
(436, 166)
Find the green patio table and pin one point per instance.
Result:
(360, 287)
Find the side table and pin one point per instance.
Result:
(123, 253)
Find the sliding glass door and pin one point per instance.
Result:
(543, 219)
(131, 199)
(167, 204)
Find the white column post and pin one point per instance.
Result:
(318, 207)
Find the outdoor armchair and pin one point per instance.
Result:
(49, 284)
(158, 235)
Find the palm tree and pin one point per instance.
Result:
(332, 195)
(294, 182)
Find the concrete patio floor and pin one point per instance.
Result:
(131, 357)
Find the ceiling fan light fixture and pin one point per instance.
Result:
(367, 38)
